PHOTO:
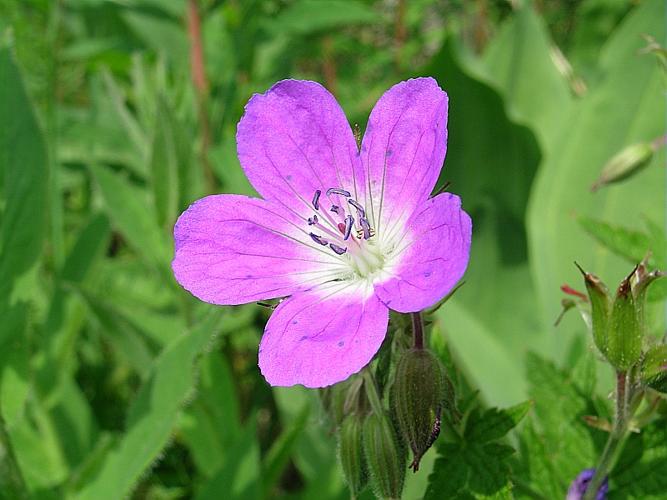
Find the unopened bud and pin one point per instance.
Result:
(350, 450)
(598, 294)
(419, 393)
(624, 343)
(627, 162)
(384, 458)
(654, 368)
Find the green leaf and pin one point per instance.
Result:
(309, 16)
(152, 416)
(164, 168)
(127, 207)
(23, 168)
(483, 357)
(623, 107)
(627, 243)
(472, 471)
(640, 471)
(494, 423)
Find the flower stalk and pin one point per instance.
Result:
(418, 329)
(624, 411)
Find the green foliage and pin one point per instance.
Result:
(477, 466)
(116, 383)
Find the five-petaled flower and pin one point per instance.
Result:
(346, 235)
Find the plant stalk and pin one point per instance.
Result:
(617, 435)
(418, 329)
(372, 391)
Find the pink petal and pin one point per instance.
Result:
(404, 148)
(231, 249)
(319, 338)
(432, 258)
(295, 139)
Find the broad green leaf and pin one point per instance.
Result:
(519, 63)
(482, 356)
(127, 207)
(152, 416)
(623, 107)
(23, 206)
(493, 424)
(163, 34)
(308, 16)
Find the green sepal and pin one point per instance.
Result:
(601, 306)
(351, 455)
(624, 343)
(384, 458)
(654, 368)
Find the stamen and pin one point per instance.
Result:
(312, 220)
(335, 209)
(349, 220)
(366, 227)
(337, 249)
(319, 239)
(360, 209)
(339, 191)
(316, 199)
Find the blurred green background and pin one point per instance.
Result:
(116, 114)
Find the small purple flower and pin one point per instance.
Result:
(344, 234)
(580, 484)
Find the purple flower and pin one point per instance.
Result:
(580, 485)
(345, 235)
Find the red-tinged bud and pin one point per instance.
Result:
(384, 458)
(420, 392)
(598, 295)
(654, 368)
(350, 453)
(624, 343)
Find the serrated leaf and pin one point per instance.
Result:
(627, 243)
(640, 471)
(494, 423)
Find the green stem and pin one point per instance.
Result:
(624, 395)
(372, 392)
(11, 480)
(418, 329)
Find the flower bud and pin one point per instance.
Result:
(418, 396)
(350, 451)
(627, 162)
(384, 458)
(598, 294)
(654, 368)
(580, 485)
(624, 344)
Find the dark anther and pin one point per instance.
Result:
(365, 227)
(337, 249)
(349, 220)
(335, 209)
(312, 220)
(316, 199)
(360, 209)
(339, 191)
(319, 239)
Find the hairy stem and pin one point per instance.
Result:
(11, 480)
(624, 395)
(418, 329)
